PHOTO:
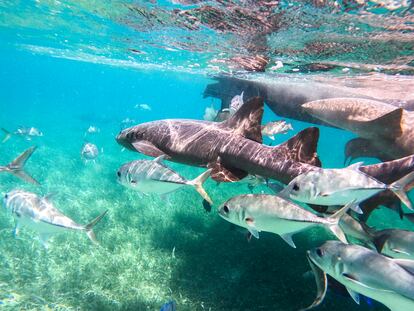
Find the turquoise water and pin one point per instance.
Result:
(151, 249)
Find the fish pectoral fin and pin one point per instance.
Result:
(354, 279)
(357, 209)
(224, 173)
(147, 148)
(288, 239)
(251, 227)
(44, 237)
(407, 264)
(399, 251)
(353, 294)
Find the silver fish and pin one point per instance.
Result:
(276, 127)
(16, 167)
(363, 271)
(210, 113)
(394, 243)
(236, 102)
(355, 230)
(40, 215)
(270, 213)
(153, 176)
(339, 186)
(26, 132)
(89, 152)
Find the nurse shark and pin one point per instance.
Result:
(285, 96)
(233, 149)
(384, 131)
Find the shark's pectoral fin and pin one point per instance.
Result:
(288, 239)
(364, 148)
(147, 148)
(223, 173)
(353, 294)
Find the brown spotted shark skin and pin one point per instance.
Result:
(384, 131)
(233, 149)
(285, 95)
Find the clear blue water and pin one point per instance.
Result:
(151, 249)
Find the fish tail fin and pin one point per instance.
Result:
(7, 135)
(303, 146)
(335, 218)
(16, 167)
(398, 187)
(198, 182)
(89, 227)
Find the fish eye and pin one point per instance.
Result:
(319, 252)
(295, 187)
(133, 182)
(119, 174)
(226, 209)
(6, 196)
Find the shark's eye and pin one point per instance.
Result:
(119, 174)
(319, 252)
(226, 209)
(295, 187)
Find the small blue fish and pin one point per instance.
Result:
(169, 306)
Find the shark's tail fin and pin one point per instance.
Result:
(303, 146)
(398, 187)
(335, 218)
(7, 135)
(198, 182)
(89, 227)
(16, 167)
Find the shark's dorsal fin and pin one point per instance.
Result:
(303, 146)
(388, 125)
(248, 119)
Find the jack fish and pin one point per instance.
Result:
(40, 215)
(270, 213)
(338, 186)
(363, 271)
(16, 167)
(153, 176)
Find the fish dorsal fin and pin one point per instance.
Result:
(160, 159)
(407, 264)
(379, 240)
(388, 125)
(248, 119)
(303, 146)
(355, 166)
